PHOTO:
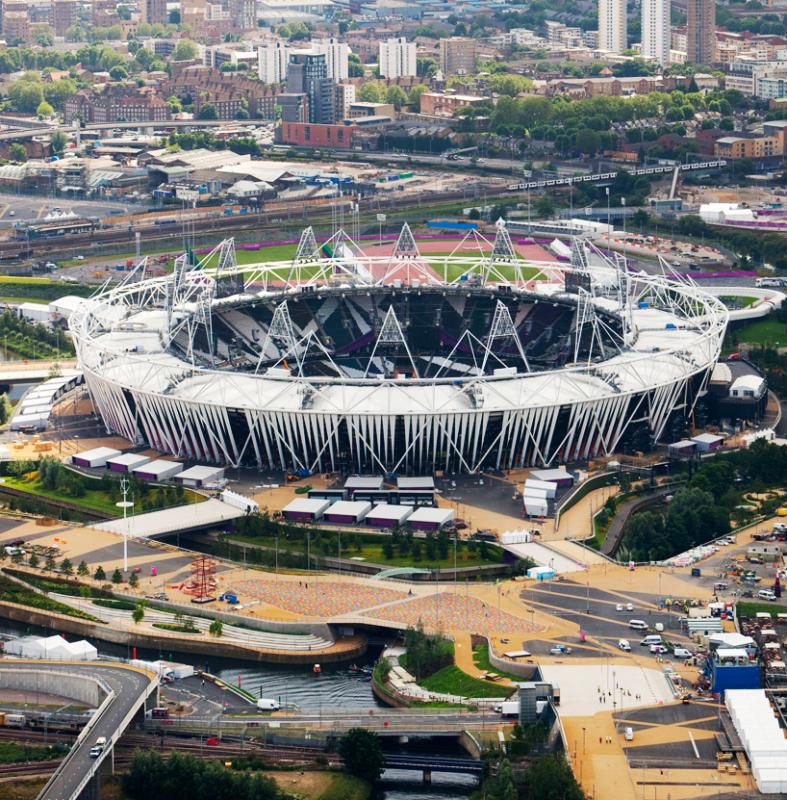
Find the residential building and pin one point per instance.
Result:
(292, 107)
(701, 31)
(337, 57)
(16, 25)
(310, 135)
(612, 25)
(397, 58)
(65, 13)
(560, 35)
(360, 109)
(217, 55)
(345, 97)
(104, 13)
(768, 143)
(244, 14)
(153, 12)
(656, 31)
(457, 55)
(116, 103)
(307, 74)
(444, 105)
(272, 59)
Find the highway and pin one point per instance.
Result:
(130, 688)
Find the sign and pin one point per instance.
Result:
(381, 217)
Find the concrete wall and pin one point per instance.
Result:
(524, 670)
(82, 688)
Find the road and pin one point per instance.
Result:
(129, 686)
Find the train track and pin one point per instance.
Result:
(272, 214)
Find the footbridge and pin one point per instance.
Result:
(436, 763)
(118, 692)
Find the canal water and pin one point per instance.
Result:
(336, 687)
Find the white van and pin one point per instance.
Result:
(638, 625)
(267, 704)
(101, 742)
(766, 594)
(628, 734)
(681, 652)
(659, 626)
(653, 638)
(623, 644)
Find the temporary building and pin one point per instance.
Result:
(535, 505)
(158, 470)
(357, 482)
(516, 537)
(304, 509)
(542, 573)
(54, 647)
(199, 475)
(348, 512)
(544, 486)
(430, 519)
(127, 462)
(237, 500)
(37, 421)
(423, 483)
(94, 459)
(559, 476)
(685, 447)
(708, 442)
(386, 515)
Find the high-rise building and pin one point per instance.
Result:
(16, 21)
(292, 107)
(345, 97)
(397, 58)
(656, 30)
(65, 13)
(244, 14)
(701, 31)
(457, 56)
(154, 12)
(272, 59)
(307, 73)
(337, 57)
(612, 25)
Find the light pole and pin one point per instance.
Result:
(125, 504)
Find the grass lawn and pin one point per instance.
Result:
(312, 785)
(22, 789)
(750, 609)
(40, 300)
(374, 553)
(93, 499)
(767, 331)
(451, 680)
(737, 301)
(453, 271)
(481, 660)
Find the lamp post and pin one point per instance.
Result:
(125, 504)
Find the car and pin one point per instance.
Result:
(766, 594)
(623, 644)
(720, 586)
(658, 649)
(12, 213)
(619, 607)
(95, 752)
(754, 559)
(559, 650)
(629, 606)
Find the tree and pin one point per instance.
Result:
(133, 580)
(26, 94)
(66, 567)
(49, 564)
(57, 92)
(354, 66)
(17, 153)
(117, 576)
(118, 73)
(58, 142)
(99, 574)
(216, 628)
(396, 96)
(362, 755)
(44, 110)
(550, 778)
(82, 569)
(544, 206)
(208, 111)
(185, 50)
(33, 560)
(138, 614)
(372, 92)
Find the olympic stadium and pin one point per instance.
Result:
(363, 358)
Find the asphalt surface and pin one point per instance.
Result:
(128, 686)
(29, 208)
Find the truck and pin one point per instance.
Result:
(508, 708)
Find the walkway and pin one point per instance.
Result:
(544, 556)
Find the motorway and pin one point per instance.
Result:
(130, 688)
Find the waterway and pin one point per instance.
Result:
(336, 687)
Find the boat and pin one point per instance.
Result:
(316, 669)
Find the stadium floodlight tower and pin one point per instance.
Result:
(401, 361)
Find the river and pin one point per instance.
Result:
(336, 687)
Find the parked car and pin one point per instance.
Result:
(559, 650)
(629, 606)
(624, 645)
(619, 607)
(658, 649)
(766, 594)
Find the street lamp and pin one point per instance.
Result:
(125, 504)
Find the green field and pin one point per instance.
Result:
(768, 331)
(373, 552)
(92, 500)
(481, 660)
(451, 680)
(751, 609)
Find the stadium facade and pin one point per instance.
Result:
(340, 360)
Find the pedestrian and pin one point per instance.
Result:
(599, 740)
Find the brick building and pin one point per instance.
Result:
(65, 13)
(116, 104)
(311, 135)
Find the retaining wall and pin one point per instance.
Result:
(61, 684)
